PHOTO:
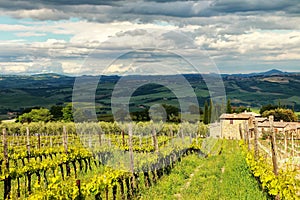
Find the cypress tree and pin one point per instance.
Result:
(210, 112)
(205, 117)
(228, 107)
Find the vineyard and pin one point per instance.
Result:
(128, 161)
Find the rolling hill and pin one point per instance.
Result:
(20, 91)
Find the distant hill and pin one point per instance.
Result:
(255, 89)
(272, 72)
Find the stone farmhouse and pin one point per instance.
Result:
(234, 126)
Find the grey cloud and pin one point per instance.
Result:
(233, 6)
(35, 4)
(132, 33)
(120, 10)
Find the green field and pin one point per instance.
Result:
(19, 92)
(224, 176)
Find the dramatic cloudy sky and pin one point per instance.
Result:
(87, 36)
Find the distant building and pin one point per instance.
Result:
(232, 123)
(279, 127)
(233, 126)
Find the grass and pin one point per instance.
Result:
(224, 176)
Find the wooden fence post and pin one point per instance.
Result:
(240, 130)
(256, 139)
(293, 148)
(182, 134)
(131, 153)
(285, 143)
(273, 145)
(7, 181)
(65, 141)
(100, 137)
(274, 149)
(171, 131)
(247, 135)
(123, 138)
(245, 132)
(39, 140)
(28, 142)
(154, 139)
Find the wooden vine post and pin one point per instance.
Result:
(100, 138)
(65, 142)
(7, 181)
(172, 134)
(123, 138)
(245, 133)
(131, 154)
(256, 139)
(171, 131)
(285, 142)
(273, 145)
(65, 139)
(28, 157)
(28, 142)
(247, 138)
(154, 136)
(51, 142)
(293, 148)
(241, 132)
(182, 134)
(274, 149)
(39, 140)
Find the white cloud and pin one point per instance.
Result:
(256, 41)
(104, 31)
(29, 34)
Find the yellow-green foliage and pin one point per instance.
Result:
(284, 184)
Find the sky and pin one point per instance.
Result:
(76, 37)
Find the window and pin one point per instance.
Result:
(231, 121)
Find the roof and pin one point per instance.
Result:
(294, 125)
(241, 116)
(288, 125)
(261, 119)
(253, 114)
(275, 124)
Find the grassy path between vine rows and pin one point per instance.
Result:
(224, 176)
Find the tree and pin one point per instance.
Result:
(241, 109)
(36, 115)
(82, 115)
(172, 112)
(228, 107)
(28, 110)
(286, 115)
(68, 113)
(56, 112)
(142, 115)
(211, 115)
(267, 107)
(205, 116)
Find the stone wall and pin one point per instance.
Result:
(231, 131)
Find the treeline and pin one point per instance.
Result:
(55, 113)
(165, 112)
(279, 111)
